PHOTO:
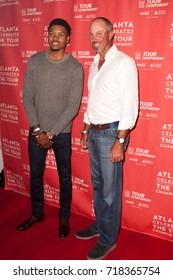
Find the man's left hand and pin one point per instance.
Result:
(117, 152)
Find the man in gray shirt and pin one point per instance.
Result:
(51, 96)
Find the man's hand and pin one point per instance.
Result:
(43, 141)
(84, 141)
(117, 152)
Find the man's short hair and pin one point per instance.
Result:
(108, 23)
(62, 22)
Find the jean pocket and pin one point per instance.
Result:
(110, 133)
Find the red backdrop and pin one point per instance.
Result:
(144, 30)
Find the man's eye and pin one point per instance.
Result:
(57, 35)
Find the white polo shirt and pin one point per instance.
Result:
(113, 90)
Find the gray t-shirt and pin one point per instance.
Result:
(52, 91)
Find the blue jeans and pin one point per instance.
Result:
(107, 184)
(37, 158)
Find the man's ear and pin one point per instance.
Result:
(111, 35)
(68, 39)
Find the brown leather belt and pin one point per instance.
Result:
(104, 126)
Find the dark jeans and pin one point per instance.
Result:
(37, 157)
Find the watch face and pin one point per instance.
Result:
(121, 140)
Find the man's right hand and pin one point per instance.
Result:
(43, 141)
(84, 141)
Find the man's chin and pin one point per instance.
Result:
(96, 49)
(54, 50)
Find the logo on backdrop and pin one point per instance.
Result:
(31, 15)
(8, 2)
(84, 99)
(11, 148)
(83, 104)
(171, 35)
(123, 33)
(45, 36)
(79, 184)
(26, 54)
(9, 75)
(49, 1)
(9, 113)
(164, 183)
(76, 146)
(15, 180)
(51, 193)
(148, 110)
(50, 160)
(140, 156)
(9, 36)
(82, 11)
(167, 136)
(148, 60)
(26, 168)
(24, 134)
(152, 3)
(169, 86)
(154, 8)
(137, 199)
(85, 57)
(163, 225)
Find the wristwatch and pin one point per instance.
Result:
(84, 132)
(120, 139)
(50, 134)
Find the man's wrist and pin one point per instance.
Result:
(84, 131)
(50, 134)
(121, 140)
(36, 127)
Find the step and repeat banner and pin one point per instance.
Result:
(144, 30)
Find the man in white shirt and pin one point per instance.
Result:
(110, 115)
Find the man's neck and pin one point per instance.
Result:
(56, 55)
